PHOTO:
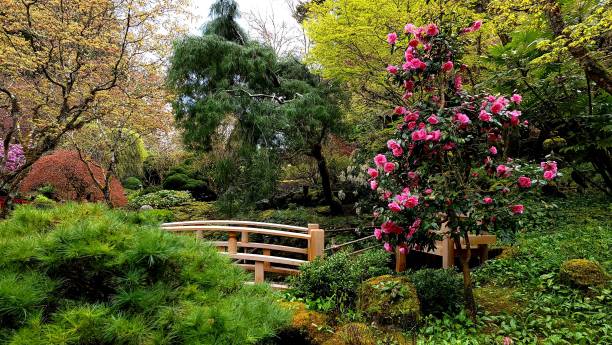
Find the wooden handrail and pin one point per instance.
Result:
(237, 222)
(265, 258)
(236, 229)
(275, 247)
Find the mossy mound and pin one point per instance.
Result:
(497, 300)
(196, 210)
(509, 252)
(362, 334)
(582, 273)
(390, 300)
(307, 326)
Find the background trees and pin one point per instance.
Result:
(66, 63)
(239, 102)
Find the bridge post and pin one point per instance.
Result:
(316, 243)
(400, 261)
(232, 243)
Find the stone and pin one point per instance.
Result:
(582, 273)
(145, 208)
(390, 301)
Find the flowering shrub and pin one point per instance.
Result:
(448, 162)
(15, 158)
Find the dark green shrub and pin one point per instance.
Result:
(132, 183)
(338, 276)
(440, 291)
(47, 191)
(162, 199)
(83, 274)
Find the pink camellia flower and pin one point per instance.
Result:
(419, 135)
(410, 28)
(394, 207)
(389, 227)
(403, 249)
(496, 107)
(524, 182)
(407, 95)
(458, 83)
(389, 167)
(508, 341)
(398, 151)
(378, 234)
(516, 98)
(374, 185)
(549, 175)
(428, 191)
(550, 165)
(432, 30)
(433, 119)
(411, 175)
(373, 172)
(380, 160)
(517, 209)
(477, 25)
(462, 118)
(411, 116)
(435, 135)
(493, 150)
(487, 200)
(414, 43)
(388, 247)
(502, 170)
(399, 110)
(409, 85)
(392, 69)
(386, 195)
(392, 38)
(448, 146)
(412, 202)
(484, 116)
(447, 66)
(392, 144)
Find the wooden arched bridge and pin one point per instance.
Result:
(244, 243)
(253, 245)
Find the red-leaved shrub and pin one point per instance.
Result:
(70, 178)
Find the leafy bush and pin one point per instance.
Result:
(162, 199)
(70, 178)
(338, 277)
(198, 188)
(439, 290)
(83, 274)
(132, 183)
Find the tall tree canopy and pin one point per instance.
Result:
(238, 99)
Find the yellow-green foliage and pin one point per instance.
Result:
(389, 300)
(196, 210)
(582, 273)
(497, 300)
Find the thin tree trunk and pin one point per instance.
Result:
(464, 258)
(317, 154)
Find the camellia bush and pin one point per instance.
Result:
(447, 171)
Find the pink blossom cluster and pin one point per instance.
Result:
(15, 158)
(550, 169)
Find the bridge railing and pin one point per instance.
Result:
(257, 256)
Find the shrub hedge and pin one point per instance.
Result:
(84, 274)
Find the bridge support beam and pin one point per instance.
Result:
(316, 243)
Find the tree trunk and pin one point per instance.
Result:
(464, 258)
(317, 154)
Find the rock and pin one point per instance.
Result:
(582, 273)
(390, 300)
(307, 326)
(145, 208)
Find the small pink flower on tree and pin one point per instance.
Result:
(451, 172)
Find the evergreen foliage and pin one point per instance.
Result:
(82, 274)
